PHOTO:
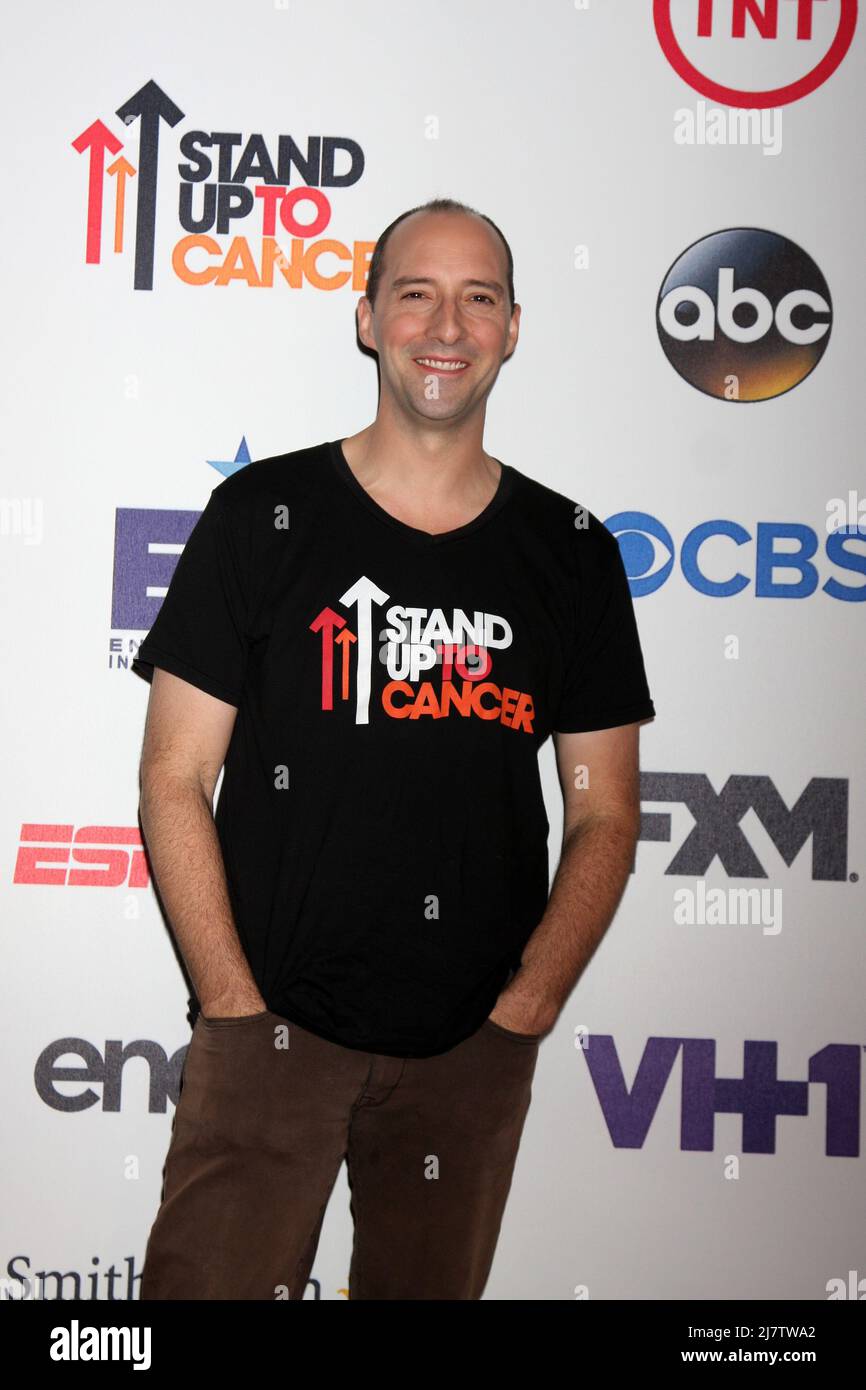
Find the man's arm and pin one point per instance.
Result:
(186, 736)
(600, 828)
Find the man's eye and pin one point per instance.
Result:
(420, 294)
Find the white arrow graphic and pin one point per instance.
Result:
(364, 593)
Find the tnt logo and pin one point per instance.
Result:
(759, 1095)
(94, 856)
(755, 53)
(744, 314)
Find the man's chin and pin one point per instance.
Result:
(440, 410)
(447, 402)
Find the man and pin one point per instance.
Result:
(375, 636)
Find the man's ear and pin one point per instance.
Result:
(363, 314)
(513, 331)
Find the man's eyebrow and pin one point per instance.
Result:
(403, 280)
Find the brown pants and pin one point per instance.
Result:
(266, 1114)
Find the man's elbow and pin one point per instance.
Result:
(620, 818)
(161, 779)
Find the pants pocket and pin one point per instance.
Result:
(532, 1038)
(230, 1022)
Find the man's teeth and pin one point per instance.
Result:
(443, 366)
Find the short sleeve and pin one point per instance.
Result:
(199, 631)
(605, 683)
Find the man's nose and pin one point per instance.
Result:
(447, 321)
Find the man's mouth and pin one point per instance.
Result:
(451, 366)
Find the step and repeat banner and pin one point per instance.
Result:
(193, 193)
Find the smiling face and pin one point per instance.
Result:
(442, 324)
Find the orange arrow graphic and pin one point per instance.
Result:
(121, 169)
(344, 639)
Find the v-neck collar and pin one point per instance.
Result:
(503, 492)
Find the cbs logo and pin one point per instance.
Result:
(744, 314)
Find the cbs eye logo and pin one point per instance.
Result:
(744, 314)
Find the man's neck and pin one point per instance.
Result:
(434, 480)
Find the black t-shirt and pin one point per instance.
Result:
(381, 814)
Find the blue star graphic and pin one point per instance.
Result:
(229, 466)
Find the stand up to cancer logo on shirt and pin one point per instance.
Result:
(437, 666)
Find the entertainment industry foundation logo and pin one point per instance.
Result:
(755, 53)
(233, 200)
(744, 314)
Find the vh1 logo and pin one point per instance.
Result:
(759, 1095)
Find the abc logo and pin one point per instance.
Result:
(744, 314)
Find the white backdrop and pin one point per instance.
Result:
(125, 405)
